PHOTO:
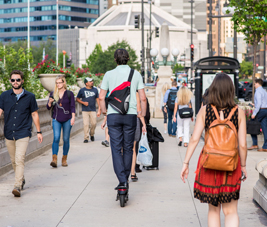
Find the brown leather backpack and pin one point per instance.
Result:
(220, 151)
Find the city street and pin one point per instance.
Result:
(83, 194)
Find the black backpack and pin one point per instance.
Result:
(53, 104)
(120, 96)
(171, 99)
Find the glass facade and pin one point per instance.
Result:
(13, 18)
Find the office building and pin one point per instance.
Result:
(43, 18)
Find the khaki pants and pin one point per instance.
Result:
(17, 151)
(89, 122)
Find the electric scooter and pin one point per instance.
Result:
(122, 195)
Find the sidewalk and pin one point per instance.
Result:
(83, 194)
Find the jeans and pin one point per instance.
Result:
(66, 136)
(172, 126)
(121, 129)
(262, 117)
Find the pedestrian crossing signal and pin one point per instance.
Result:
(68, 63)
(192, 52)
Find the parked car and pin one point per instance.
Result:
(248, 90)
(241, 90)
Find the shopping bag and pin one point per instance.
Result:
(253, 127)
(144, 156)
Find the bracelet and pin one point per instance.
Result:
(243, 166)
(187, 163)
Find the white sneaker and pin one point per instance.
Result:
(165, 132)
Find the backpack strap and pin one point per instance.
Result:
(216, 112)
(131, 75)
(232, 112)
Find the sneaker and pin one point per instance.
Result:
(85, 141)
(105, 143)
(16, 192)
(23, 183)
(92, 138)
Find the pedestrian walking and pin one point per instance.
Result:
(165, 88)
(121, 127)
(105, 127)
(260, 111)
(20, 109)
(183, 100)
(139, 130)
(62, 103)
(88, 96)
(169, 102)
(220, 189)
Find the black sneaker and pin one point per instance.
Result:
(16, 192)
(92, 138)
(23, 183)
(85, 141)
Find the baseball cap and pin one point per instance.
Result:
(87, 79)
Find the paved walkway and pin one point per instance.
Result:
(83, 195)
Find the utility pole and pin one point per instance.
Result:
(210, 29)
(191, 71)
(264, 59)
(219, 27)
(143, 49)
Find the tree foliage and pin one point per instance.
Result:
(103, 61)
(177, 68)
(246, 68)
(250, 19)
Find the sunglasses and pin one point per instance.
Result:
(13, 80)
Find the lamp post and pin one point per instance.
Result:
(164, 53)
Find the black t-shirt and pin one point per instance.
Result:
(88, 95)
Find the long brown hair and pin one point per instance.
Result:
(222, 92)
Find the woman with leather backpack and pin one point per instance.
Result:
(183, 101)
(219, 188)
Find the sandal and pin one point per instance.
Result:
(185, 145)
(134, 178)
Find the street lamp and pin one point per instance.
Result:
(164, 53)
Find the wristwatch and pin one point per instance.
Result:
(39, 132)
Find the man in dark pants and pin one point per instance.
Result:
(121, 127)
(260, 101)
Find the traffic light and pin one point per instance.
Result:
(68, 63)
(153, 65)
(137, 21)
(141, 55)
(157, 32)
(192, 52)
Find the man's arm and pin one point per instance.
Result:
(83, 103)
(102, 104)
(142, 97)
(99, 110)
(257, 100)
(36, 121)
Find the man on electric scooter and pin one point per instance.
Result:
(122, 127)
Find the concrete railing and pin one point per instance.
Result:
(260, 188)
(34, 148)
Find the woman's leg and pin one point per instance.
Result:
(180, 123)
(133, 160)
(186, 130)
(106, 134)
(56, 130)
(214, 216)
(230, 213)
(66, 137)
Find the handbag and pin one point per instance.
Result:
(186, 112)
(253, 127)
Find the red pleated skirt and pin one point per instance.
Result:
(216, 187)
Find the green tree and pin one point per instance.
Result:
(50, 50)
(250, 19)
(177, 68)
(105, 60)
(246, 69)
(90, 61)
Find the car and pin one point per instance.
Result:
(248, 90)
(241, 88)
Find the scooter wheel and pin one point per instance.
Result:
(122, 200)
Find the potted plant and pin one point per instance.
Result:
(80, 74)
(47, 71)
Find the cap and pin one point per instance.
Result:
(87, 79)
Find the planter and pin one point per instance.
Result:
(48, 81)
(80, 82)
